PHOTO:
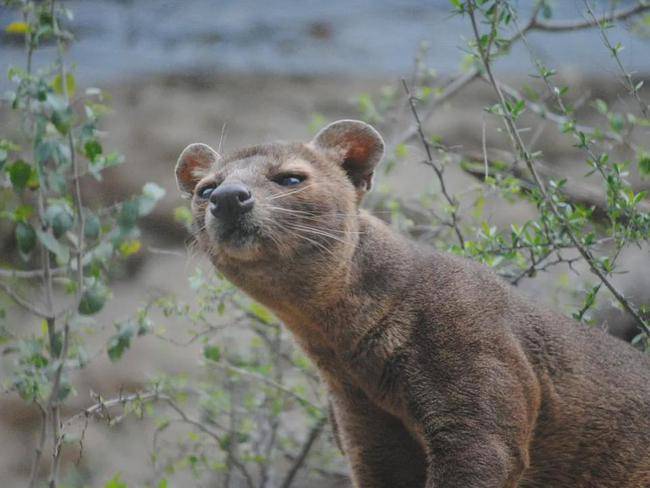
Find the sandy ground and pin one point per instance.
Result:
(153, 119)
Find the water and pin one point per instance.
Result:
(124, 38)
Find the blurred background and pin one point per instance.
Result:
(232, 73)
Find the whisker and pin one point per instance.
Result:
(292, 192)
(317, 232)
(299, 235)
(324, 218)
(290, 210)
(222, 139)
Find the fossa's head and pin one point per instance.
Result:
(281, 201)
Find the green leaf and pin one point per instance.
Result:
(151, 194)
(25, 238)
(23, 213)
(401, 151)
(119, 343)
(261, 313)
(60, 218)
(93, 298)
(43, 152)
(49, 241)
(62, 120)
(183, 216)
(213, 353)
(617, 123)
(92, 226)
(644, 163)
(128, 214)
(70, 83)
(130, 247)
(601, 106)
(116, 482)
(19, 174)
(92, 149)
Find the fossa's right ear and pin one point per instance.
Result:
(193, 164)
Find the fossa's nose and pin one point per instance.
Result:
(231, 200)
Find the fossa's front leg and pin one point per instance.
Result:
(381, 452)
(476, 430)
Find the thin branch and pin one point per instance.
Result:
(630, 85)
(38, 451)
(53, 401)
(46, 278)
(29, 307)
(268, 381)
(28, 274)
(430, 162)
(235, 461)
(575, 192)
(300, 460)
(545, 113)
(451, 89)
(541, 264)
(578, 24)
(102, 406)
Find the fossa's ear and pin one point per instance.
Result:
(356, 146)
(193, 164)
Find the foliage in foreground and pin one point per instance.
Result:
(256, 414)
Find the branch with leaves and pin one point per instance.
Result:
(64, 248)
(550, 200)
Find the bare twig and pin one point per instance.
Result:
(166, 252)
(298, 463)
(38, 451)
(451, 89)
(103, 406)
(275, 346)
(301, 399)
(34, 273)
(541, 264)
(29, 307)
(439, 171)
(573, 25)
(241, 467)
(631, 86)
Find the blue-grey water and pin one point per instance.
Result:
(117, 39)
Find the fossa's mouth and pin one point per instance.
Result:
(236, 238)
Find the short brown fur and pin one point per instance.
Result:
(440, 374)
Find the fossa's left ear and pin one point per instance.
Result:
(356, 146)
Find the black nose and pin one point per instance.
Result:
(231, 200)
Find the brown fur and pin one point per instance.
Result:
(440, 374)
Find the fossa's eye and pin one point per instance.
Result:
(289, 180)
(205, 193)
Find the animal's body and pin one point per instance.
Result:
(440, 374)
